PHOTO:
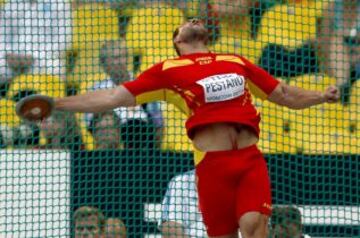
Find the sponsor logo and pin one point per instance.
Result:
(266, 205)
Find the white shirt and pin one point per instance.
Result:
(123, 113)
(40, 28)
(180, 205)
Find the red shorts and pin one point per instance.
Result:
(231, 183)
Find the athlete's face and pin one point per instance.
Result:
(190, 32)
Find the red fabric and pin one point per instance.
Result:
(185, 81)
(230, 184)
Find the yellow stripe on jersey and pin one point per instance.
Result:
(172, 63)
(256, 90)
(166, 95)
(198, 156)
(229, 58)
(157, 95)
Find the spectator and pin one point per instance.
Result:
(10, 123)
(287, 32)
(180, 215)
(286, 223)
(89, 222)
(149, 31)
(61, 131)
(200, 9)
(235, 18)
(58, 131)
(133, 126)
(33, 37)
(115, 228)
(339, 41)
(92, 24)
(235, 28)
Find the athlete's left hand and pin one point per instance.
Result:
(331, 94)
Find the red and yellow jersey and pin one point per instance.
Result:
(208, 87)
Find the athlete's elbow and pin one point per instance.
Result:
(122, 98)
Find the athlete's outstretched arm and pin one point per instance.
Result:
(298, 98)
(98, 101)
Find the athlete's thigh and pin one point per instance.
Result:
(217, 198)
(254, 189)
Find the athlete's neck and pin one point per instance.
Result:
(193, 49)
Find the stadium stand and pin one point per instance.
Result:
(312, 154)
(92, 24)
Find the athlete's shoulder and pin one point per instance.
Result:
(234, 58)
(176, 62)
(153, 69)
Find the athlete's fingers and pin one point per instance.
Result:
(332, 94)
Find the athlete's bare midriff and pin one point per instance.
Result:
(223, 136)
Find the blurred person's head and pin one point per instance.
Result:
(115, 228)
(203, 10)
(105, 129)
(60, 130)
(89, 222)
(232, 9)
(110, 131)
(113, 59)
(286, 222)
(190, 37)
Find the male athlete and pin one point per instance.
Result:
(213, 89)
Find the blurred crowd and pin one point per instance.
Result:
(180, 216)
(90, 222)
(63, 47)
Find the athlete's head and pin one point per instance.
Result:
(191, 33)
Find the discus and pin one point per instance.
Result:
(35, 108)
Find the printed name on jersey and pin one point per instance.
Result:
(222, 87)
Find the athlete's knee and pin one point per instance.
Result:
(254, 225)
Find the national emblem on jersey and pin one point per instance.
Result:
(222, 87)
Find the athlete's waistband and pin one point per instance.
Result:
(200, 156)
(234, 151)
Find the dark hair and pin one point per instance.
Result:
(138, 133)
(288, 214)
(176, 33)
(87, 211)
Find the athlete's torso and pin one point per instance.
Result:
(215, 90)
